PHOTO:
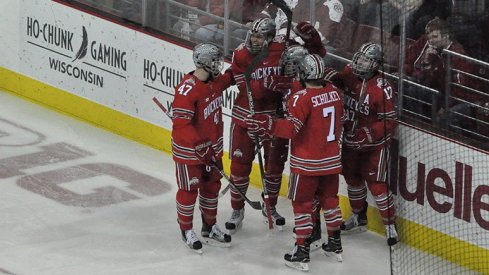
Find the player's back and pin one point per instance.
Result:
(315, 150)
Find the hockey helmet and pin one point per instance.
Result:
(366, 61)
(311, 67)
(209, 57)
(290, 59)
(261, 32)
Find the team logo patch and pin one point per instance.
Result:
(193, 181)
(190, 81)
(237, 153)
(381, 82)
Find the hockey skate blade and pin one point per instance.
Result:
(278, 227)
(298, 265)
(212, 242)
(336, 256)
(198, 251)
(394, 246)
(355, 230)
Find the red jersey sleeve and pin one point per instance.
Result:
(223, 81)
(291, 125)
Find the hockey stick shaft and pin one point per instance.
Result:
(258, 58)
(288, 13)
(162, 107)
(254, 204)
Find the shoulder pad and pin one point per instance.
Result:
(301, 92)
(240, 47)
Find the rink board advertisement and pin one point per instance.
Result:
(445, 186)
(98, 61)
(104, 62)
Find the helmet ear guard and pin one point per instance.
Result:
(312, 67)
(209, 57)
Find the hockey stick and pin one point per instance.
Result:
(288, 13)
(247, 74)
(253, 204)
(162, 107)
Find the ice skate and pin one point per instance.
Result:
(333, 247)
(299, 258)
(212, 235)
(191, 240)
(392, 237)
(355, 223)
(236, 220)
(278, 220)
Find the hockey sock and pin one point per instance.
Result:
(185, 208)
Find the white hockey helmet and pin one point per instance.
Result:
(366, 61)
(209, 57)
(290, 59)
(312, 67)
(263, 27)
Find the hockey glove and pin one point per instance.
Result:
(277, 83)
(359, 138)
(307, 32)
(205, 152)
(259, 124)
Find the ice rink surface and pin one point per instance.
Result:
(76, 199)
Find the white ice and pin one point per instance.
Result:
(40, 235)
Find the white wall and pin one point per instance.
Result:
(9, 33)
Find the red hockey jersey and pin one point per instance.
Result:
(197, 115)
(377, 106)
(314, 127)
(264, 100)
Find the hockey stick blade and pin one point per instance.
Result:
(254, 204)
(225, 190)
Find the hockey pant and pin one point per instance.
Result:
(242, 154)
(369, 166)
(196, 180)
(303, 190)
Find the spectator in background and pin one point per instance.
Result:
(240, 11)
(426, 63)
(212, 30)
(429, 9)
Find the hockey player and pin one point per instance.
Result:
(314, 127)
(290, 60)
(266, 100)
(370, 123)
(197, 145)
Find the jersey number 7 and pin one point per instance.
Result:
(330, 112)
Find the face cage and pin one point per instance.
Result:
(363, 66)
(291, 68)
(214, 67)
(255, 49)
